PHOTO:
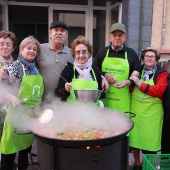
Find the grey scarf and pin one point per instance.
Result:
(148, 71)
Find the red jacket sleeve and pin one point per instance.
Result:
(159, 88)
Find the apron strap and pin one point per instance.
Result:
(107, 53)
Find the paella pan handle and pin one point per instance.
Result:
(130, 114)
(19, 131)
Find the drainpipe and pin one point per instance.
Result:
(140, 28)
(163, 25)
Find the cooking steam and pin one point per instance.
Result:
(67, 116)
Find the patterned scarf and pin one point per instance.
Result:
(148, 71)
(30, 66)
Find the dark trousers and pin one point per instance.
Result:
(148, 152)
(7, 161)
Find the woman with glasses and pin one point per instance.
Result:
(8, 42)
(146, 103)
(81, 74)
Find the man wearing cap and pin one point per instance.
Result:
(117, 62)
(51, 60)
(53, 57)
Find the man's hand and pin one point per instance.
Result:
(111, 79)
(122, 84)
(105, 84)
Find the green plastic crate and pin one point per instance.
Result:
(156, 162)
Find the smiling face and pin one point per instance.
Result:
(6, 47)
(117, 38)
(58, 36)
(81, 54)
(149, 59)
(29, 52)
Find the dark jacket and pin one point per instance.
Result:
(133, 59)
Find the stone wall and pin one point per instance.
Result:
(161, 32)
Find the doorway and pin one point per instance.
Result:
(28, 20)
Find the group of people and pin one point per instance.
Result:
(57, 70)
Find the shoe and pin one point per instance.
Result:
(137, 167)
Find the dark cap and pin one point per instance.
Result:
(58, 24)
(118, 26)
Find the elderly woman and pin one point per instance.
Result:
(81, 74)
(24, 74)
(8, 43)
(146, 103)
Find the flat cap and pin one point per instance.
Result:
(118, 26)
(58, 24)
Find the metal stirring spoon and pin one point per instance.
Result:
(61, 77)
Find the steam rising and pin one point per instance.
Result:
(69, 116)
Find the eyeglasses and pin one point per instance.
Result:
(150, 56)
(117, 35)
(8, 45)
(84, 52)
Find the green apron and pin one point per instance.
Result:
(30, 94)
(82, 84)
(147, 130)
(117, 99)
(1, 114)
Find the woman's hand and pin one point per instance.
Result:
(68, 87)
(3, 74)
(136, 80)
(111, 79)
(14, 100)
(1, 100)
(135, 73)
